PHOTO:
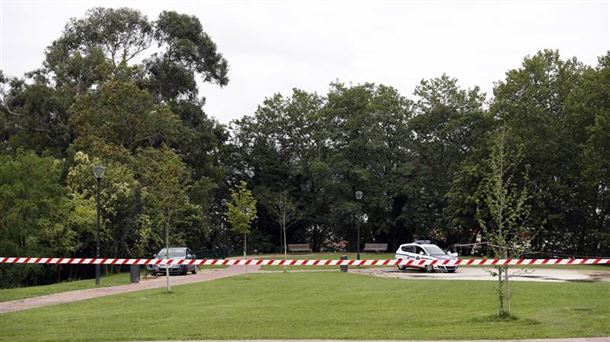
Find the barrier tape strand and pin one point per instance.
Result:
(303, 262)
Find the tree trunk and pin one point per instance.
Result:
(165, 220)
(245, 249)
(500, 293)
(285, 246)
(507, 291)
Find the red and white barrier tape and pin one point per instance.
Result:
(319, 262)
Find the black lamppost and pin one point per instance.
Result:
(98, 173)
(358, 197)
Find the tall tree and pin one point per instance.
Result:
(121, 114)
(368, 138)
(448, 125)
(281, 148)
(33, 210)
(533, 102)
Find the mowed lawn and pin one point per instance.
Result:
(65, 286)
(35, 291)
(321, 305)
(123, 278)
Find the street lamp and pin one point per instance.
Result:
(98, 173)
(358, 197)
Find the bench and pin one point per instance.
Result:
(299, 247)
(375, 247)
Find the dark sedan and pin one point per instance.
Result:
(174, 252)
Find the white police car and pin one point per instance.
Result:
(424, 250)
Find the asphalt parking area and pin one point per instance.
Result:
(479, 273)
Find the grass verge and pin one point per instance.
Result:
(65, 286)
(35, 291)
(322, 305)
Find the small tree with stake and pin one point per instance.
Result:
(241, 211)
(504, 212)
(285, 213)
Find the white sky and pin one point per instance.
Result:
(273, 46)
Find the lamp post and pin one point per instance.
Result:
(98, 173)
(358, 197)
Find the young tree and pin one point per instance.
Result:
(504, 212)
(241, 211)
(285, 212)
(164, 178)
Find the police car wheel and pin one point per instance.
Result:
(428, 268)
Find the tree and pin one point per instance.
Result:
(33, 211)
(123, 115)
(241, 211)
(282, 147)
(589, 108)
(535, 102)
(188, 50)
(125, 231)
(369, 149)
(34, 115)
(448, 126)
(285, 213)
(165, 183)
(504, 211)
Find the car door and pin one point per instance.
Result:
(420, 253)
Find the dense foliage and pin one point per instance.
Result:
(120, 89)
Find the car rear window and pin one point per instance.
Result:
(173, 252)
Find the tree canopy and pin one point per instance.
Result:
(120, 89)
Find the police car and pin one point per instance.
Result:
(424, 250)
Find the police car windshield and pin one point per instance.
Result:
(434, 250)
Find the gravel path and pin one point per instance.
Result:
(144, 284)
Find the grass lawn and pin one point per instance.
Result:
(35, 291)
(322, 305)
(65, 286)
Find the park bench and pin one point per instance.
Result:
(375, 247)
(299, 247)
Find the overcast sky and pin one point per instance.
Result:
(273, 46)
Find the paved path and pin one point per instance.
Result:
(477, 273)
(144, 284)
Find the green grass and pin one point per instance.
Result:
(35, 291)
(322, 305)
(65, 286)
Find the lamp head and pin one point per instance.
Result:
(98, 171)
